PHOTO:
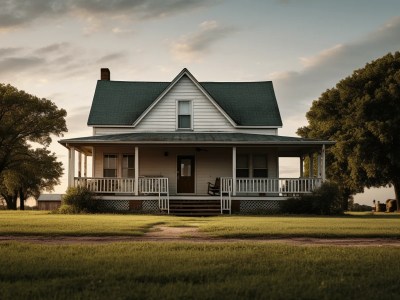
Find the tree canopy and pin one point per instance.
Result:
(362, 114)
(26, 119)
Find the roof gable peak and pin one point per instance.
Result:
(184, 72)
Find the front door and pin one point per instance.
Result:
(185, 174)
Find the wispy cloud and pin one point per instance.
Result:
(194, 45)
(297, 89)
(21, 13)
(54, 62)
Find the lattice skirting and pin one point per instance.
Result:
(145, 206)
(259, 207)
(150, 206)
(114, 205)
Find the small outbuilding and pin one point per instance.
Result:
(49, 201)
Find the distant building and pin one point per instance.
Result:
(49, 201)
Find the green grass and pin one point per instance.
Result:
(44, 223)
(304, 226)
(197, 271)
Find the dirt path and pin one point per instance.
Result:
(192, 234)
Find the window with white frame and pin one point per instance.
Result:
(110, 165)
(128, 165)
(184, 114)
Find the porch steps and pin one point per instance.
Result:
(196, 207)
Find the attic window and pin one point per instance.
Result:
(184, 115)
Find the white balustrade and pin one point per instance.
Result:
(271, 185)
(107, 185)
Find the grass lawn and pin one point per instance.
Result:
(157, 270)
(44, 223)
(197, 271)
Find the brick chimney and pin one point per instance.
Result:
(105, 74)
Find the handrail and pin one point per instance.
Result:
(106, 185)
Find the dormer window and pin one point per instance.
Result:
(184, 114)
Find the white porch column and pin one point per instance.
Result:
(234, 171)
(71, 166)
(80, 164)
(93, 161)
(301, 166)
(323, 175)
(85, 166)
(319, 165)
(136, 171)
(311, 171)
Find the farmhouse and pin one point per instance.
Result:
(188, 147)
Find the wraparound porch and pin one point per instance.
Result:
(164, 165)
(259, 189)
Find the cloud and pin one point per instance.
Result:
(21, 13)
(77, 119)
(58, 61)
(193, 46)
(111, 57)
(297, 89)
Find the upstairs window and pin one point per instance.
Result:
(184, 115)
(110, 165)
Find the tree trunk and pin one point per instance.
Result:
(396, 185)
(345, 199)
(21, 200)
(11, 201)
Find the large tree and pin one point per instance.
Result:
(362, 114)
(25, 118)
(39, 171)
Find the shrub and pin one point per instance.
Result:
(323, 201)
(78, 200)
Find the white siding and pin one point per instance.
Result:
(206, 117)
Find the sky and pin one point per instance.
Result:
(54, 49)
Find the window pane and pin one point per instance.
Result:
(128, 161)
(242, 173)
(110, 161)
(184, 108)
(242, 162)
(260, 173)
(110, 173)
(128, 166)
(186, 167)
(259, 162)
(184, 122)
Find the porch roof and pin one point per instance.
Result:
(193, 138)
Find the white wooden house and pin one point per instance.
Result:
(162, 146)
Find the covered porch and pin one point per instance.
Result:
(183, 167)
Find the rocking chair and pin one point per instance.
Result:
(214, 189)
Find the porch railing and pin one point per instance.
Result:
(146, 186)
(107, 185)
(278, 186)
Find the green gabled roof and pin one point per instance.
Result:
(246, 103)
(122, 102)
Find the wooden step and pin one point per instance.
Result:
(195, 207)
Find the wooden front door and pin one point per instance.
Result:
(185, 174)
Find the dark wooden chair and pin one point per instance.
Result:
(214, 188)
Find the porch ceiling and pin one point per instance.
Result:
(287, 146)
